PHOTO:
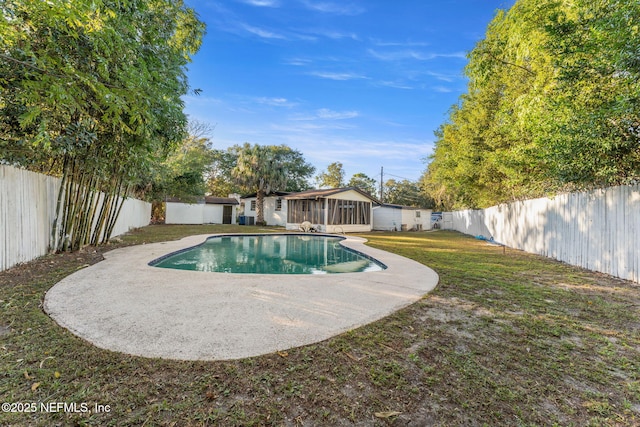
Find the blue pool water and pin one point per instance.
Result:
(270, 254)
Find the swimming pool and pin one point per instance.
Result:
(271, 254)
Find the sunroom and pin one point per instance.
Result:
(334, 210)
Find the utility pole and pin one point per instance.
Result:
(381, 178)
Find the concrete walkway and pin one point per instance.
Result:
(123, 304)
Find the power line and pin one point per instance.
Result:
(402, 177)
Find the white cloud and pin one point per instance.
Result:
(395, 84)
(441, 89)
(450, 78)
(299, 62)
(327, 114)
(337, 76)
(335, 8)
(265, 34)
(275, 102)
(399, 55)
(333, 34)
(399, 44)
(262, 3)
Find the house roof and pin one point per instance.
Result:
(317, 194)
(209, 200)
(390, 205)
(273, 193)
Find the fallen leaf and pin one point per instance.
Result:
(45, 359)
(387, 414)
(56, 374)
(283, 354)
(34, 386)
(26, 375)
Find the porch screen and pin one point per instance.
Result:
(305, 210)
(343, 212)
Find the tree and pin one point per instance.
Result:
(595, 127)
(297, 170)
(552, 104)
(221, 182)
(259, 169)
(363, 182)
(406, 193)
(333, 177)
(185, 172)
(91, 92)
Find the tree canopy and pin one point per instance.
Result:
(552, 104)
(406, 193)
(333, 177)
(296, 168)
(91, 91)
(363, 182)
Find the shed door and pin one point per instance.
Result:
(227, 211)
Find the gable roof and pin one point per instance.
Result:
(209, 200)
(273, 193)
(394, 206)
(317, 194)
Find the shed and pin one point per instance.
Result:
(389, 217)
(206, 210)
(333, 210)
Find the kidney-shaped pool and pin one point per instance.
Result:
(271, 254)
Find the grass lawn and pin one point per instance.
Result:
(507, 338)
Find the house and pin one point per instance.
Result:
(388, 217)
(206, 210)
(334, 210)
(275, 208)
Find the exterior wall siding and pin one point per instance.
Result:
(196, 213)
(387, 219)
(272, 216)
(598, 230)
(28, 211)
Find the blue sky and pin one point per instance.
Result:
(365, 83)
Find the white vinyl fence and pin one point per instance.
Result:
(27, 212)
(598, 230)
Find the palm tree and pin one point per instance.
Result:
(259, 169)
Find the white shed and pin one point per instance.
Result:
(209, 210)
(387, 217)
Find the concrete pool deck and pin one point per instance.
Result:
(123, 304)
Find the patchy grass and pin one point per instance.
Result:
(506, 339)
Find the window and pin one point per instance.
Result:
(278, 204)
(253, 205)
(417, 214)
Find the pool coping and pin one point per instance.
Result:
(125, 305)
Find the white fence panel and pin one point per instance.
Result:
(26, 214)
(134, 214)
(598, 229)
(28, 209)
